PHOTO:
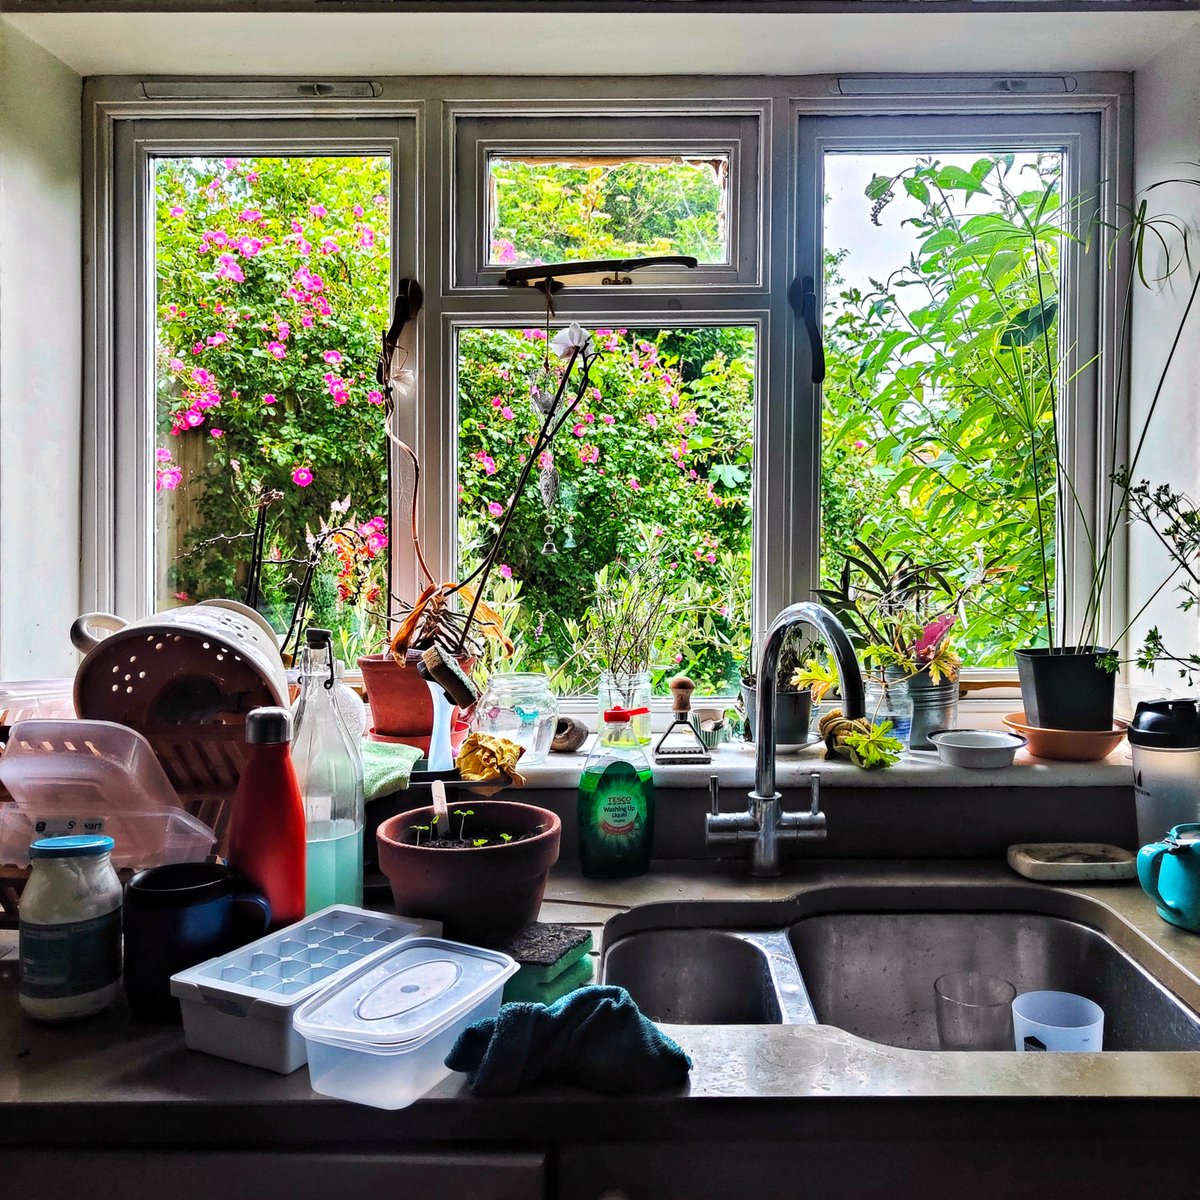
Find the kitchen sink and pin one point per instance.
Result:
(711, 977)
(864, 959)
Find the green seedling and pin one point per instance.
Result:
(420, 829)
(480, 842)
(464, 813)
(506, 837)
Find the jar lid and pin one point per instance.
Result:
(78, 845)
(1166, 725)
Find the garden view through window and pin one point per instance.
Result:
(569, 208)
(940, 269)
(271, 289)
(653, 471)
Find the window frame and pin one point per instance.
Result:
(424, 113)
(1081, 332)
(478, 136)
(122, 565)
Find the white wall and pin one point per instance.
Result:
(1167, 145)
(40, 358)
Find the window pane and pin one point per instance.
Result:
(554, 210)
(931, 407)
(656, 461)
(272, 287)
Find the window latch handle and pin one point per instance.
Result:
(804, 300)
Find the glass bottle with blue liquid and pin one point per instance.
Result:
(329, 768)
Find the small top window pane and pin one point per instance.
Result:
(555, 209)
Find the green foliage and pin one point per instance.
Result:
(658, 459)
(874, 748)
(272, 286)
(939, 424)
(555, 212)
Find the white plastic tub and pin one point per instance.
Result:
(239, 1006)
(380, 1036)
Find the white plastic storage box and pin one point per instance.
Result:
(380, 1035)
(240, 1006)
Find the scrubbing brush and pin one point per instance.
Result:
(443, 669)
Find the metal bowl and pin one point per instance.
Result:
(984, 749)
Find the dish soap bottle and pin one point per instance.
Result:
(616, 802)
(329, 767)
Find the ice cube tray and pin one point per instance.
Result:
(240, 1005)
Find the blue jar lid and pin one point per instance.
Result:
(74, 846)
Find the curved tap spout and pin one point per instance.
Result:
(849, 676)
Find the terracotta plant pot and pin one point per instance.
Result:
(481, 895)
(400, 705)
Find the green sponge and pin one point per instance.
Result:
(554, 960)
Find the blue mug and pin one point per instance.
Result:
(177, 916)
(1170, 874)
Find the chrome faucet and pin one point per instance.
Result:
(764, 824)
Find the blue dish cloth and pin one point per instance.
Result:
(595, 1037)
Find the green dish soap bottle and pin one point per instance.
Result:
(616, 802)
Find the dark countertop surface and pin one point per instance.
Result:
(139, 1084)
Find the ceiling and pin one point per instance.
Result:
(590, 43)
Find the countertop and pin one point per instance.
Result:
(133, 1083)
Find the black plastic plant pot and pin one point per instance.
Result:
(1064, 688)
(793, 715)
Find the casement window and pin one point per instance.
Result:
(706, 441)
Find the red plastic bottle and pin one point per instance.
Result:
(266, 830)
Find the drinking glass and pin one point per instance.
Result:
(974, 1011)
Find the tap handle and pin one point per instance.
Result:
(815, 785)
(714, 791)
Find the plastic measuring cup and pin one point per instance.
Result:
(1057, 1021)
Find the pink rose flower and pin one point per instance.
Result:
(332, 356)
(505, 571)
(216, 433)
(162, 454)
(277, 349)
(495, 509)
(375, 397)
(317, 210)
(269, 398)
(302, 477)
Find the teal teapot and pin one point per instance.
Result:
(1170, 875)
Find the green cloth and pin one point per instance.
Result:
(386, 767)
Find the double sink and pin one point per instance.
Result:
(864, 958)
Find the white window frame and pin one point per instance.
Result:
(1081, 399)
(426, 112)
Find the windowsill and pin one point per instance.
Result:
(734, 765)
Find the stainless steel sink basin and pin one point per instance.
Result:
(872, 973)
(868, 958)
(710, 977)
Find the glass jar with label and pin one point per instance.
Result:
(70, 929)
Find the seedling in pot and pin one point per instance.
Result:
(418, 830)
(464, 813)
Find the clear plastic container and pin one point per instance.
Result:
(95, 777)
(1057, 1021)
(380, 1036)
(240, 1006)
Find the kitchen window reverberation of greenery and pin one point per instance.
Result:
(273, 278)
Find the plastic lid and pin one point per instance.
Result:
(1166, 725)
(268, 726)
(317, 638)
(405, 996)
(619, 716)
(77, 845)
